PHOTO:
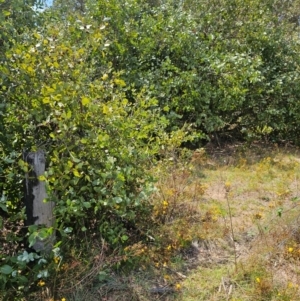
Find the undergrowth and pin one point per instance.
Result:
(225, 227)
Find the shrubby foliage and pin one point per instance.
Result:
(105, 87)
(220, 66)
(62, 95)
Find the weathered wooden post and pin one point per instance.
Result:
(38, 210)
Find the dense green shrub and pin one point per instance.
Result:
(229, 66)
(62, 95)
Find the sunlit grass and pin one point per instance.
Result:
(263, 193)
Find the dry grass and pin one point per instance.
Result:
(262, 190)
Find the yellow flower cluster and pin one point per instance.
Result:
(165, 206)
(56, 259)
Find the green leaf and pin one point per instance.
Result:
(87, 205)
(43, 274)
(118, 200)
(74, 159)
(32, 238)
(22, 280)
(76, 173)
(6, 269)
(103, 276)
(68, 230)
(42, 178)
(105, 109)
(44, 233)
(69, 114)
(295, 199)
(85, 101)
(124, 237)
(3, 207)
(120, 82)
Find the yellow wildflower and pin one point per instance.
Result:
(63, 299)
(258, 215)
(41, 283)
(227, 186)
(257, 280)
(178, 286)
(290, 249)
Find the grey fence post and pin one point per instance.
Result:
(39, 210)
